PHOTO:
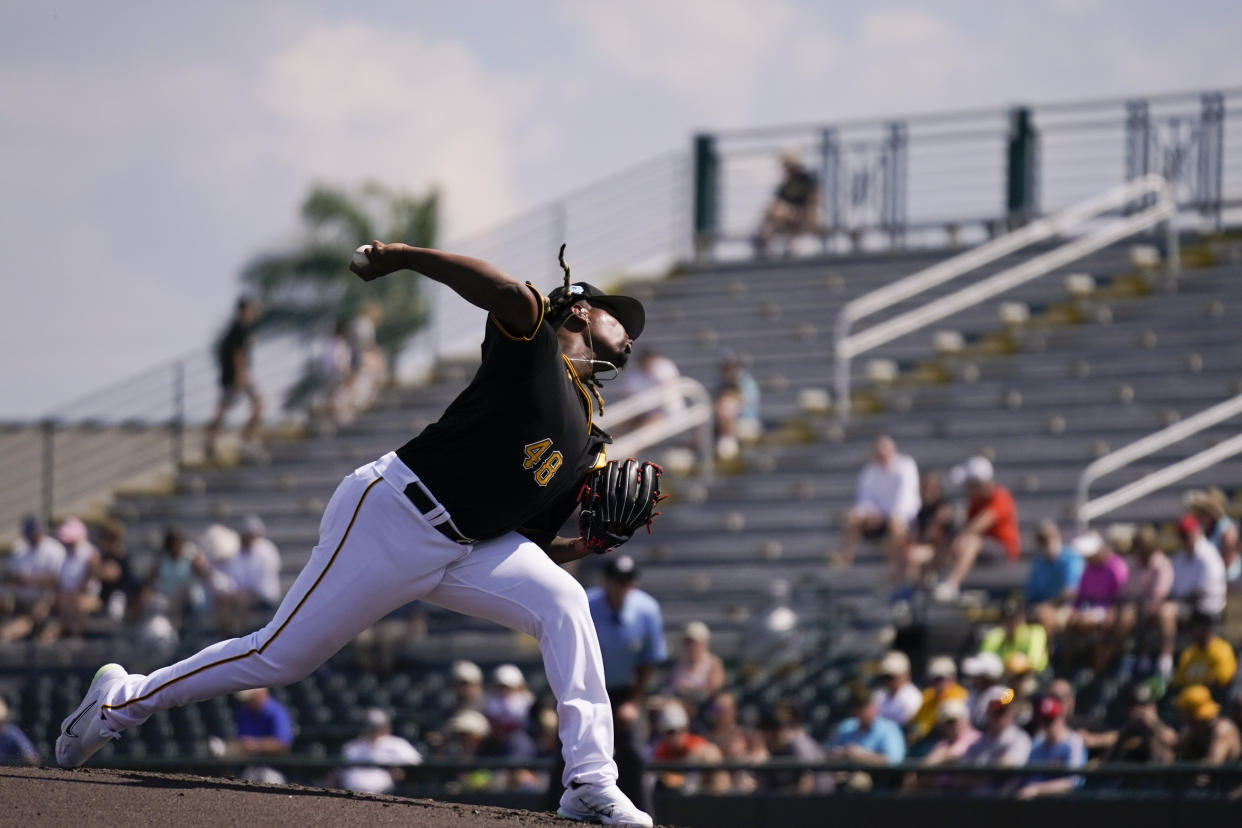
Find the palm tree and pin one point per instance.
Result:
(304, 291)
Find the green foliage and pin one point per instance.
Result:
(305, 290)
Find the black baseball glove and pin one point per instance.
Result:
(616, 501)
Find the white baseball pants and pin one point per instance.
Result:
(376, 552)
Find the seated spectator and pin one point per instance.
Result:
(1208, 660)
(898, 698)
(1016, 635)
(1211, 509)
(77, 593)
(942, 688)
(653, 370)
(886, 501)
(956, 734)
(698, 673)
(794, 209)
(15, 747)
(1095, 608)
(984, 672)
(1143, 738)
(1207, 737)
(736, 743)
(507, 707)
(991, 525)
(784, 737)
(368, 364)
(264, 727)
(252, 578)
(1020, 676)
(119, 588)
(1053, 579)
(934, 529)
(1001, 743)
(1056, 745)
(1198, 585)
(465, 733)
(31, 581)
(1151, 578)
(376, 744)
(867, 737)
(174, 584)
(736, 408)
(336, 402)
(675, 743)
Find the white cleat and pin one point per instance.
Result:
(602, 805)
(84, 731)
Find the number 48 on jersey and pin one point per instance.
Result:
(548, 467)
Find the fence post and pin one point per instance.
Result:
(706, 194)
(1022, 181)
(48, 428)
(178, 418)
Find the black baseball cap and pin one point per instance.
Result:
(621, 568)
(628, 310)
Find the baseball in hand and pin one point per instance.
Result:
(360, 259)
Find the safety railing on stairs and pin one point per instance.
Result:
(849, 344)
(695, 415)
(1088, 510)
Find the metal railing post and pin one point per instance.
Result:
(706, 194)
(48, 500)
(178, 414)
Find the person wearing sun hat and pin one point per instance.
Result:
(1207, 737)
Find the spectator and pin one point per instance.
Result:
(699, 673)
(466, 732)
(1016, 635)
(794, 209)
(376, 744)
(991, 524)
(1221, 530)
(1207, 737)
(15, 747)
(467, 680)
(174, 583)
(736, 743)
(236, 379)
(956, 734)
(368, 364)
(1056, 745)
(1002, 743)
(1053, 579)
(1151, 578)
(336, 398)
(655, 371)
(264, 727)
(867, 737)
(1095, 609)
(1208, 660)
(675, 743)
(631, 639)
(507, 708)
(31, 581)
(736, 408)
(1143, 738)
(252, 577)
(885, 502)
(934, 530)
(898, 698)
(984, 672)
(77, 593)
(784, 737)
(942, 688)
(1198, 585)
(119, 588)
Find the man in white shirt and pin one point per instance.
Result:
(1199, 584)
(378, 745)
(655, 371)
(886, 502)
(899, 699)
(252, 576)
(31, 581)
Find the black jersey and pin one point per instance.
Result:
(514, 446)
(235, 339)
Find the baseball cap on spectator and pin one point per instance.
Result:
(953, 710)
(1143, 693)
(1188, 525)
(244, 696)
(1196, 702)
(1088, 544)
(621, 568)
(509, 675)
(995, 698)
(977, 469)
(988, 665)
(31, 525)
(673, 717)
(466, 672)
(253, 525)
(895, 663)
(941, 667)
(1050, 707)
(375, 719)
(469, 723)
(71, 532)
(698, 631)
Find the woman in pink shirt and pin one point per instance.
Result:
(1151, 578)
(1095, 608)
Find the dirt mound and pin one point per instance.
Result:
(129, 799)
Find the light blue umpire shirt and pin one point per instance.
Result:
(629, 639)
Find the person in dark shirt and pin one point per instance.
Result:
(236, 379)
(119, 588)
(795, 206)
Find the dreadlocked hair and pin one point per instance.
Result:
(559, 302)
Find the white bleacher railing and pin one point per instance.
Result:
(695, 415)
(1088, 510)
(848, 345)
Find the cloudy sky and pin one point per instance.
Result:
(147, 150)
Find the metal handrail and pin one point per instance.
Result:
(848, 345)
(1087, 510)
(696, 415)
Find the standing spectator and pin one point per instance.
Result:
(1143, 738)
(630, 627)
(867, 737)
(654, 370)
(336, 398)
(898, 698)
(507, 708)
(942, 689)
(984, 672)
(736, 408)
(367, 363)
(1057, 745)
(1208, 660)
(794, 209)
(15, 747)
(991, 523)
(1095, 609)
(699, 673)
(236, 378)
(1053, 579)
(1221, 530)
(1151, 578)
(784, 737)
(119, 588)
(376, 744)
(252, 577)
(1207, 737)
(1016, 635)
(78, 588)
(1198, 585)
(1002, 743)
(933, 530)
(885, 503)
(675, 743)
(31, 581)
